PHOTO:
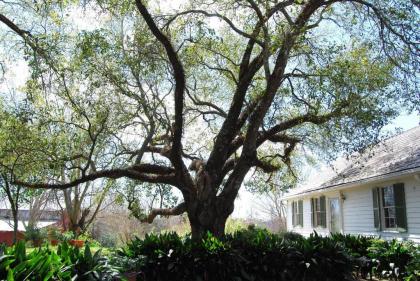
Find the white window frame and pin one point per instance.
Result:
(297, 214)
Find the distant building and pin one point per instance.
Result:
(46, 218)
(378, 194)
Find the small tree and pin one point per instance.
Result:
(13, 195)
(82, 204)
(169, 97)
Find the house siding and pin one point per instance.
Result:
(358, 210)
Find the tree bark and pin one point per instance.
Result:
(206, 211)
(206, 222)
(15, 224)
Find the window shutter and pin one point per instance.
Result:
(294, 213)
(400, 209)
(300, 212)
(323, 222)
(376, 209)
(313, 212)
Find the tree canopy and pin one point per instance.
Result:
(199, 95)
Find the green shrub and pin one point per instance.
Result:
(66, 236)
(291, 236)
(357, 246)
(394, 257)
(67, 263)
(87, 237)
(252, 254)
(108, 240)
(40, 264)
(256, 254)
(35, 235)
(413, 267)
(233, 225)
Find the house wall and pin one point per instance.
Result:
(357, 210)
(6, 237)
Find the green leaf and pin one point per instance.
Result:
(10, 275)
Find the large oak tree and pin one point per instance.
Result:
(200, 95)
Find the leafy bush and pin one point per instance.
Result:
(252, 254)
(68, 263)
(87, 237)
(40, 264)
(256, 254)
(233, 225)
(393, 257)
(108, 240)
(35, 235)
(357, 246)
(66, 236)
(413, 267)
(291, 236)
(53, 233)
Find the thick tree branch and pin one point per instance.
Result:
(22, 33)
(234, 181)
(180, 83)
(146, 172)
(175, 211)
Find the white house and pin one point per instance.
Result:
(378, 194)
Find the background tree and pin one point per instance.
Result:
(200, 96)
(15, 138)
(81, 204)
(12, 194)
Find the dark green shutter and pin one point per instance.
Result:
(294, 213)
(376, 209)
(323, 222)
(313, 212)
(400, 210)
(300, 206)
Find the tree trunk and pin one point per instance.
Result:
(208, 214)
(212, 224)
(15, 225)
(206, 211)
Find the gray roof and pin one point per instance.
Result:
(396, 154)
(45, 215)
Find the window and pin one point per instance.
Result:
(319, 214)
(297, 213)
(389, 208)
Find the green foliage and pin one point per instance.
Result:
(357, 246)
(87, 237)
(40, 264)
(108, 240)
(252, 254)
(256, 254)
(413, 267)
(393, 258)
(67, 263)
(234, 225)
(35, 235)
(135, 194)
(54, 233)
(66, 236)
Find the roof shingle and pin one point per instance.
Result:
(398, 153)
